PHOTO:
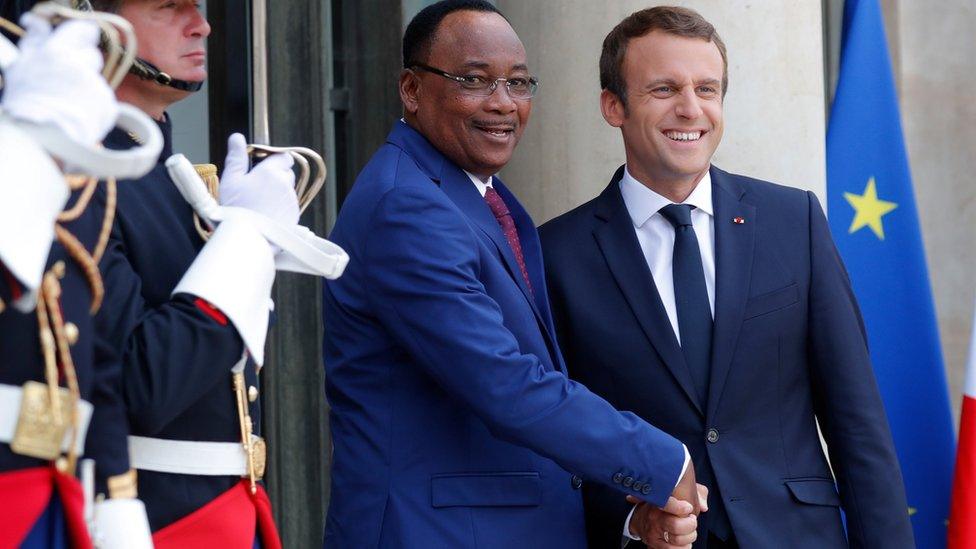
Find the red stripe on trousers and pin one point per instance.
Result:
(26, 493)
(227, 522)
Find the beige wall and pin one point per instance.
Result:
(936, 71)
(774, 118)
(774, 111)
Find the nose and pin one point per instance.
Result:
(197, 27)
(500, 101)
(688, 106)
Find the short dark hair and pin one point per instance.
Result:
(111, 6)
(420, 33)
(669, 19)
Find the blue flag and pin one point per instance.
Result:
(871, 207)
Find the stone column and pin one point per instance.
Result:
(937, 75)
(774, 110)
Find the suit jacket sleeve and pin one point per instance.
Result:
(422, 263)
(848, 404)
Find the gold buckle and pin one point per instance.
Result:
(41, 426)
(259, 456)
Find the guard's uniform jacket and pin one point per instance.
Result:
(177, 353)
(41, 502)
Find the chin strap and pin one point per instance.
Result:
(147, 71)
(144, 69)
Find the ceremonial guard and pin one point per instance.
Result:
(193, 338)
(59, 380)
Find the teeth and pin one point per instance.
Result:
(684, 136)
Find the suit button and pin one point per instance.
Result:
(575, 482)
(628, 482)
(618, 478)
(712, 436)
(646, 489)
(637, 486)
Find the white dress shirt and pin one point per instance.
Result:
(655, 234)
(481, 185)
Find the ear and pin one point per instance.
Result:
(613, 109)
(409, 87)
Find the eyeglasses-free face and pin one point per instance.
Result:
(518, 87)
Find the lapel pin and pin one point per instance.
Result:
(739, 220)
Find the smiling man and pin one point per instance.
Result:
(453, 422)
(716, 306)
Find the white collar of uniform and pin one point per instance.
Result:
(481, 185)
(642, 202)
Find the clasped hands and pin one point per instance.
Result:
(673, 526)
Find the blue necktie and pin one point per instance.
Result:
(691, 297)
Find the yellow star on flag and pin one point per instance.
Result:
(868, 209)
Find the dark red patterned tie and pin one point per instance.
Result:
(504, 218)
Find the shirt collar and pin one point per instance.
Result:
(642, 202)
(482, 186)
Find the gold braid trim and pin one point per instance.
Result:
(11, 27)
(75, 183)
(48, 345)
(88, 266)
(51, 295)
(110, 202)
(208, 173)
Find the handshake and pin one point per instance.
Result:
(674, 525)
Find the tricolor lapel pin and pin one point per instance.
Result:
(739, 220)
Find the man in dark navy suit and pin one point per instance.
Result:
(716, 307)
(453, 422)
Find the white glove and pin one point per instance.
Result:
(56, 80)
(121, 524)
(268, 189)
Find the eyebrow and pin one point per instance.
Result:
(674, 83)
(485, 65)
(709, 81)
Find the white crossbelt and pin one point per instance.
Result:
(187, 457)
(10, 397)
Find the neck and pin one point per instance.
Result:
(149, 97)
(675, 188)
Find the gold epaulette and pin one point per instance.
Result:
(208, 173)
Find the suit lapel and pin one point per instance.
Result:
(459, 188)
(617, 240)
(734, 248)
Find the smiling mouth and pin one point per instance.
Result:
(496, 130)
(684, 136)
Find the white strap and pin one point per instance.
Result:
(10, 397)
(301, 250)
(187, 457)
(101, 162)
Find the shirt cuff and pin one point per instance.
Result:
(684, 468)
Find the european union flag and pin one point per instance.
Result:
(874, 221)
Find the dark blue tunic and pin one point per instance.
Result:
(176, 358)
(96, 363)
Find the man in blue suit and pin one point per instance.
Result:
(716, 307)
(453, 422)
